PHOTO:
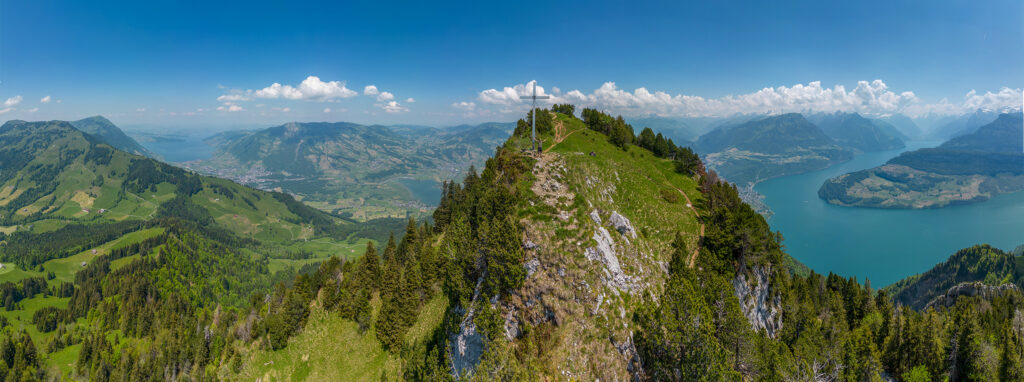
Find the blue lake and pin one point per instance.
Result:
(882, 245)
(177, 148)
(426, 191)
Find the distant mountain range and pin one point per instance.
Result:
(947, 127)
(854, 131)
(770, 147)
(369, 171)
(965, 169)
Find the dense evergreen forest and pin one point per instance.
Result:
(191, 299)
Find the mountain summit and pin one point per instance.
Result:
(102, 128)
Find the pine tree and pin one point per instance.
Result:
(503, 256)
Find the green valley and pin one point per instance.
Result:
(364, 172)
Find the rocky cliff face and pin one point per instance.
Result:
(970, 289)
(595, 247)
(758, 301)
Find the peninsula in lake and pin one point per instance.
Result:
(965, 169)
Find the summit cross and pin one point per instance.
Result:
(533, 129)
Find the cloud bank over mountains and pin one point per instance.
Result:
(311, 89)
(872, 98)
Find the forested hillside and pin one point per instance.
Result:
(99, 242)
(988, 267)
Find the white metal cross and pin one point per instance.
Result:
(534, 97)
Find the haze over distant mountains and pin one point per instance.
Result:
(369, 171)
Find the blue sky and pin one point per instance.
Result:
(167, 62)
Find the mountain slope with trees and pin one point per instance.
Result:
(603, 256)
(982, 263)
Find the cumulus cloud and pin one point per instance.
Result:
(410, 100)
(6, 110)
(370, 90)
(32, 110)
(311, 89)
(393, 107)
(45, 99)
(867, 97)
(1006, 98)
(10, 102)
(385, 96)
(141, 109)
(509, 95)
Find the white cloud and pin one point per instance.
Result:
(1006, 98)
(327, 110)
(464, 105)
(393, 107)
(141, 109)
(229, 108)
(509, 95)
(12, 101)
(385, 96)
(311, 89)
(872, 97)
(44, 99)
(410, 100)
(6, 110)
(32, 110)
(233, 97)
(370, 90)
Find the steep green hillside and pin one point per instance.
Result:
(767, 148)
(54, 175)
(980, 263)
(852, 130)
(89, 228)
(110, 134)
(965, 169)
(365, 171)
